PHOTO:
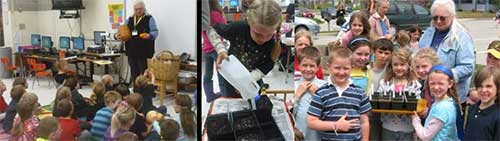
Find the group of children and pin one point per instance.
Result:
(111, 113)
(338, 107)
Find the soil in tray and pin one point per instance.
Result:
(384, 104)
(218, 128)
(397, 103)
(374, 104)
(411, 105)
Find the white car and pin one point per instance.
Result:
(307, 24)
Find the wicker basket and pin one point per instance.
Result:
(165, 66)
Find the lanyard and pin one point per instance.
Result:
(137, 21)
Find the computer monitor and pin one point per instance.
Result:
(99, 37)
(234, 3)
(78, 43)
(47, 42)
(35, 39)
(64, 42)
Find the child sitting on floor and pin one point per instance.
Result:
(26, 123)
(70, 127)
(139, 127)
(62, 93)
(49, 129)
(97, 97)
(170, 130)
(15, 94)
(147, 90)
(121, 122)
(185, 116)
(123, 90)
(3, 104)
(107, 80)
(102, 119)
(82, 107)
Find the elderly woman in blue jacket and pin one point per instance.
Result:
(452, 43)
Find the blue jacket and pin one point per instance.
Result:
(458, 55)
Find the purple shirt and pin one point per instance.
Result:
(107, 135)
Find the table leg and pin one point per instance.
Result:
(91, 69)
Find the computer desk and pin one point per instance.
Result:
(91, 58)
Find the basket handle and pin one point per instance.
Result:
(168, 52)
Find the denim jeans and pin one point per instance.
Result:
(210, 59)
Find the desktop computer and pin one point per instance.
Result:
(64, 42)
(35, 40)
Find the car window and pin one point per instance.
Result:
(392, 10)
(419, 10)
(405, 9)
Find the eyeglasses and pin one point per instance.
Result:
(441, 18)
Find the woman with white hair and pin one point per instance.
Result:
(142, 43)
(453, 45)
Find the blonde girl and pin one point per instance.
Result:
(121, 121)
(252, 41)
(399, 77)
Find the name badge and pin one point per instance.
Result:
(134, 33)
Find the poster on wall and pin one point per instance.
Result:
(116, 14)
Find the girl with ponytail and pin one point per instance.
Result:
(186, 117)
(121, 121)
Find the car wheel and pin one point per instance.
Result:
(300, 27)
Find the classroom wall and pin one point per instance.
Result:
(176, 20)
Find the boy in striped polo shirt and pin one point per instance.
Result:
(340, 109)
(102, 119)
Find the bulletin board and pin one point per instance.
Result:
(116, 14)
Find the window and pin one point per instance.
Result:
(419, 10)
(405, 9)
(392, 10)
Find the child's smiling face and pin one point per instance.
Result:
(357, 27)
(399, 68)
(361, 56)
(487, 90)
(422, 66)
(439, 83)
(340, 68)
(301, 43)
(308, 68)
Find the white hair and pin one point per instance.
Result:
(455, 27)
(141, 3)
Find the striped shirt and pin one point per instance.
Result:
(101, 122)
(328, 105)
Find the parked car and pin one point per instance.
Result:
(308, 13)
(310, 25)
(328, 13)
(403, 14)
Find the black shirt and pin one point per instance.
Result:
(483, 124)
(139, 126)
(147, 92)
(80, 106)
(243, 47)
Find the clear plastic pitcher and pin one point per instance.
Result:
(239, 77)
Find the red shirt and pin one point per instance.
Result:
(70, 129)
(319, 73)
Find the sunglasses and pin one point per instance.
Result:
(441, 18)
